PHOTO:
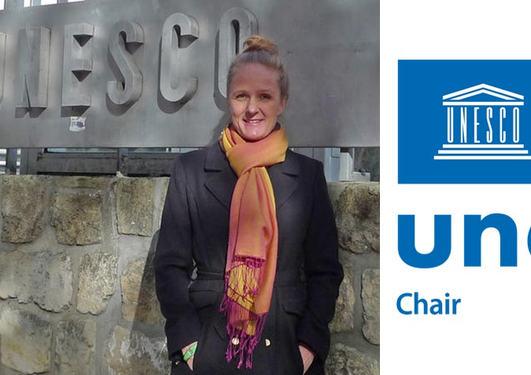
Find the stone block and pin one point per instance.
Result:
(134, 206)
(9, 283)
(77, 218)
(345, 360)
(370, 296)
(358, 217)
(344, 317)
(97, 282)
(22, 209)
(132, 352)
(26, 341)
(75, 347)
(159, 198)
(139, 301)
(46, 279)
(80, 182)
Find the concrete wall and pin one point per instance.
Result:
(77, 284)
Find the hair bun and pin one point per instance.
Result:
(260, 43)
(260, 50)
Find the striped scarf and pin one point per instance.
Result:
(253, 240)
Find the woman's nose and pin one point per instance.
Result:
(252, 106)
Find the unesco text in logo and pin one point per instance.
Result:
(464, 121)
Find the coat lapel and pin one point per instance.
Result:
(284, 178)
(222, 179)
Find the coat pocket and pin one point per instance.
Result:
(202, 299)
(293, 299)
(206, 296)
(293, 305)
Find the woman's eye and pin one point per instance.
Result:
(240, 96)
(265, 96)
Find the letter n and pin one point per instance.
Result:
(442, 242)
(34, 57)
(474, 228)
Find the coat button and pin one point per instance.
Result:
(267, 342)
(235, 341)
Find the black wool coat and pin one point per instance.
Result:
(194, 235)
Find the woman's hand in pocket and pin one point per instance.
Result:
(190, 361)
(307, 357)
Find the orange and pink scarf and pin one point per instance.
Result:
(253, 239)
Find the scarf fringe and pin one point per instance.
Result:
(244, 327)
(242, 345)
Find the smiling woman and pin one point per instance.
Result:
(256, 222)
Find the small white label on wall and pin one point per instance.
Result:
(77, 124)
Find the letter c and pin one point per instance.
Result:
(177, 27)
(399, 303)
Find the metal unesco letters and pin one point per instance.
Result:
(144, 73)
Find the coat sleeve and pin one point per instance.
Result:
(174, 265)
(324, 273)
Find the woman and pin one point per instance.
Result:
(255, 221)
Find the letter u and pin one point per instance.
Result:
(442, 242)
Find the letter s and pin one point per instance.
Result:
(128, 90)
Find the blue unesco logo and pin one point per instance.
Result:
(464, 121)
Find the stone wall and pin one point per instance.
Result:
(77, 284)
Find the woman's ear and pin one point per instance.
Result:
(283, 103)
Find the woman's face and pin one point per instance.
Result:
(255, 101)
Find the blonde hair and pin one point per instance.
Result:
(261, 50)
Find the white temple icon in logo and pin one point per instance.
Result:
(483, 123)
